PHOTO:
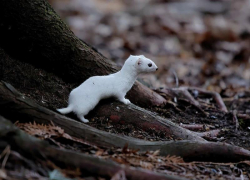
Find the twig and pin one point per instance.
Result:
(176, 79)
(183, 91)
(209, 134)
(215, 95)
(5, 153)
(244, 116)
(193, 127)
(235, 119)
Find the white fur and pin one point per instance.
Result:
(86, 96)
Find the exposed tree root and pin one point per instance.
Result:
(17, 107)
(215, 95)
(183, 92)
(193, 127)
(14, 102)
(36, 148)
(201, 127)
(209, 134)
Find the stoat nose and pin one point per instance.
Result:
(156, 69)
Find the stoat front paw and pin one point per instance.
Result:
(85, 120)
(126, 101)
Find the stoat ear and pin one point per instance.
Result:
(139, 61)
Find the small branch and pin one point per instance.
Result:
(209, 134)
(244, 116)
(193, 127)
(176, 79)
(5, 154)
(215, 95)
(184, 92)
(235, 120)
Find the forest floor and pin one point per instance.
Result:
(204, 44)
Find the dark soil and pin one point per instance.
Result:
(219, 120)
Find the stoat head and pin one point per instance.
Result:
(141, 64)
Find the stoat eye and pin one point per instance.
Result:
(150, 64)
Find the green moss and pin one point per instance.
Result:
(242, 123)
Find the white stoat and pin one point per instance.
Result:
(86, 96)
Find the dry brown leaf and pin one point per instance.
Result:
(120, 175)
(120, 160)
(99, 152)
(40, 130)
(174, 159)
(47, 131)
(3, 174)
(156, 153)
(140, 162)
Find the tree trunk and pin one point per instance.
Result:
(32, 32)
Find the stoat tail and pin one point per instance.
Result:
(65, 110)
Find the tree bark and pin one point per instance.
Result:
(32, 32)
(15, 106)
